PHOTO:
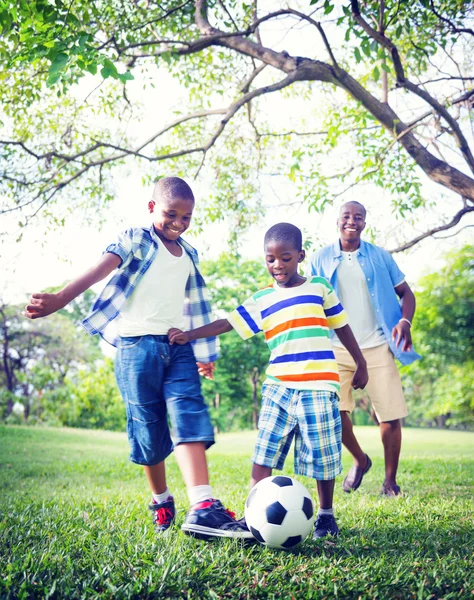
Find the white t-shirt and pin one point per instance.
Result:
(355, 298)
(156, 304)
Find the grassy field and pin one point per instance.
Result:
(74, 524)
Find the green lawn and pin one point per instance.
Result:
(74, 524)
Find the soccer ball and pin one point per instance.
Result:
(279, 512)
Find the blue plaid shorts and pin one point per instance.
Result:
(312, 418)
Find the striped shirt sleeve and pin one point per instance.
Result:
(246, 319)
(335, 314)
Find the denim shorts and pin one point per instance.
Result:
(312, 418)
(160, 386)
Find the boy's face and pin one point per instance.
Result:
(171, 217)
(282, 261)
(351, 222)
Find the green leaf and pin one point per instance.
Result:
(385, 67)
(357, 55)
(59, 63)
(126, 77)
(52, 79)
(376, 73)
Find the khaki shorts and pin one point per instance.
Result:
(384, 387)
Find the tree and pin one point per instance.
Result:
(38, 355)
(440, 386)
(235, 392)
(396, 77)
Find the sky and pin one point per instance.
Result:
(46, 257)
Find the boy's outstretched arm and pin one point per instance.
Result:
(176, 336)
(42, 305)
(361, 376)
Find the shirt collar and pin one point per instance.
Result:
(336, 249)
(186, 245)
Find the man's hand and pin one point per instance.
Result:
(42, 305)
(176, 336)
(206, 369)
(402, 331)
(360, 377)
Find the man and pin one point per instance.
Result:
(380, 306)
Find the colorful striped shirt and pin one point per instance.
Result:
(296, 323)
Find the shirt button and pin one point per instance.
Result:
(373, 295)
(368, 278)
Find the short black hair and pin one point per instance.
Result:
(172, 187)
(285, 232)
(354, 202)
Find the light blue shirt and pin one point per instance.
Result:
(381, 274)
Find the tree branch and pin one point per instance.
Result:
(454, 221)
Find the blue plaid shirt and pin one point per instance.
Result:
(137, 247)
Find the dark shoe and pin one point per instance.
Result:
(390, 490)
(355, 476)
(211, 519)
(325, 525)
(164, 514)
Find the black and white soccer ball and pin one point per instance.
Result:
(279, 512)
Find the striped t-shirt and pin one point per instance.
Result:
(296, 323)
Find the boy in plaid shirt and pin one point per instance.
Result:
(157, 286)
(300, 393)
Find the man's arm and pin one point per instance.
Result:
(176, 336)
(402, 330)
(361, 376)
(42, 305)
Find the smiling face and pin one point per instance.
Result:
(171, 217)
(351, 224)
(282, 263)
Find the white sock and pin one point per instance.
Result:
(198, 493)
(325, 511)
(161, 497)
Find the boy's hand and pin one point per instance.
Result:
(176, 336)
(361, 377)
(206, 369)
(400, 332)
(42, 305)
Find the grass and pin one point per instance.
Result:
(74, 524)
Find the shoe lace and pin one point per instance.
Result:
(163, 515)
(324, 520)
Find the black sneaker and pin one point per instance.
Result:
(325, 525)
(211, 519)
(164, 514)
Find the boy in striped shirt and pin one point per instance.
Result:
(300, 394)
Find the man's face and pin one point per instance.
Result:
(351, 222)
(171, 217)
(282, 262)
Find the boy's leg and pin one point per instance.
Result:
(192, 462)
(139, 370)
(193, 434)
(156, 476)
(318, 448)
(325, 521)
(259, 472)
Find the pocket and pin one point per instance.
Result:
(129, 342)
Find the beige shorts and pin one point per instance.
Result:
(384, 387)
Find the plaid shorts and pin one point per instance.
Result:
(312, 418)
